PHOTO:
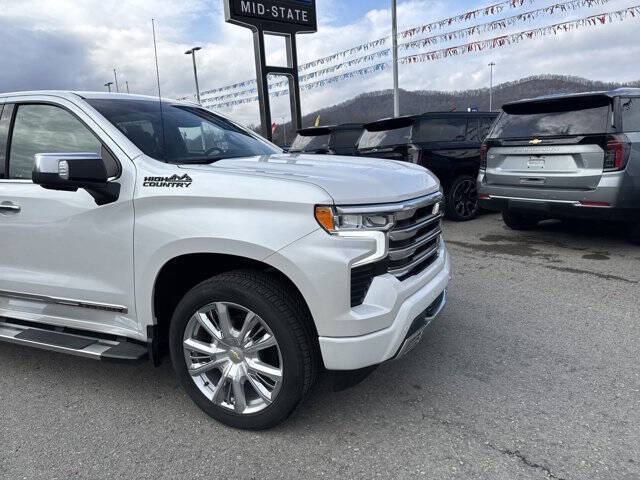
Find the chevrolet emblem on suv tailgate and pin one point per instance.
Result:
(535, 141)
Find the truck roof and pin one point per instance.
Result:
(74, 94)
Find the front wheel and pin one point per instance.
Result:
(461, 203)
(242, 350)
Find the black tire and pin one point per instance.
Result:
(634, 236)
(288, 319)
(461, 199)
(520, 221)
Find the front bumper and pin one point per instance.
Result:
(412, 317)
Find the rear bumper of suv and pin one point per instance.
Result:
(601, 203)
(559, 209)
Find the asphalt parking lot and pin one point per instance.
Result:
(531, 372)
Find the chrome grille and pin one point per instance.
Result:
(414, 241)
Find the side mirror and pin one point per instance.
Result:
(71, 171)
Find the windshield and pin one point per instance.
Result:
(304, 143)
(190, 134)
(553, 122)
(397, 136)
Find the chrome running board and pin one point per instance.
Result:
(82, 345)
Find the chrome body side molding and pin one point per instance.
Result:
(64, 301)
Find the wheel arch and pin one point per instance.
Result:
(181, 273)
(454, 173)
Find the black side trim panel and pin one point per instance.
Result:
(55, 338)
(125, 352)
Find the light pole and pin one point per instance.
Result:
(108, 85)
(394, 43)
(491, 65)
(192, 52)
(115, 76)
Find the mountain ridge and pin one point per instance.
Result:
(376, 105)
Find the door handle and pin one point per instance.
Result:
(10, 207)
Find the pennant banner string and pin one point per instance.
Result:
(492, 43)
(458, 34)
(487, 11)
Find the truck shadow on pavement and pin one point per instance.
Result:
(85, 387)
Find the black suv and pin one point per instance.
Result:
(447, 143)
(331, 140)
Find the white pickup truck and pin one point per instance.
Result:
(131, 227)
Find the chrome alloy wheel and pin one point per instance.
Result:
(233, 357)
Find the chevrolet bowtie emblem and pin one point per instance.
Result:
(535, 141)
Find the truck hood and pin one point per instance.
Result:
(348, 180)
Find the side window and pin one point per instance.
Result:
(630, 114)
(46, 129)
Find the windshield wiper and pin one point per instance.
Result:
(197, 160)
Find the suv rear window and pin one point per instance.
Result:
(304, 143)
(442, 129)
(560, 118)
(346, 138)
(385, 138)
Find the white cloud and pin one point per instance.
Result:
(64, 44)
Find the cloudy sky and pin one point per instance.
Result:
(62, 44)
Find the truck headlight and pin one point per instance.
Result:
(334, 222)
(358, 225)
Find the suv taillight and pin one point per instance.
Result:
(414, 154)
(616, 155)
(484, 149)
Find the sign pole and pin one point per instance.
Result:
(285, 18)
(294, 83)
(394, 46)
(263, 85)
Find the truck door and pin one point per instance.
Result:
(63, 259)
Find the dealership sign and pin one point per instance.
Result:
(284, 18)
(281, 16)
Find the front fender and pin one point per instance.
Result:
(165, 230)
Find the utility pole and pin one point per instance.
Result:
(192, 52)
(491, 65)
(394, 43)
(108, 85)
(115, 76)
(127, 83)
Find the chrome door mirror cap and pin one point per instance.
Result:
(73, 170)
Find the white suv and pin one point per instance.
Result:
(131, 227)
